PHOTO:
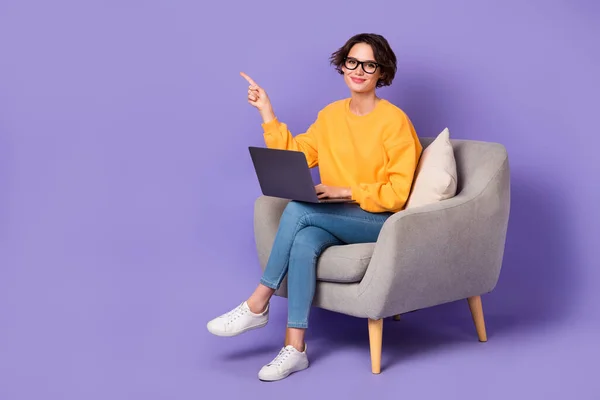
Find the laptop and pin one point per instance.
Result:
(285, 174)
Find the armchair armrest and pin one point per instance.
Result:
(440, 252)
(267, 214)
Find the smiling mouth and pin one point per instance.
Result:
(358, 80)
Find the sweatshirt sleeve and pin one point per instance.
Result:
(277, 136)
(403, 151)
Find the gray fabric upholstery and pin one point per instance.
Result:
(424, 256)
(345, 263)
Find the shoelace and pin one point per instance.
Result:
(235, 313)
(283, 354)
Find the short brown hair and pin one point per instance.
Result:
(384, 56)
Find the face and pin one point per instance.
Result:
(355, 76)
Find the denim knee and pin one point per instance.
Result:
(311, 240)
(295, 212)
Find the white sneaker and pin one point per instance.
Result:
(237, 321)
(288, 361)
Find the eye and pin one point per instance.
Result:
(371, 66)
(351, 61)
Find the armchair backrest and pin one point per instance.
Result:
(477, 163)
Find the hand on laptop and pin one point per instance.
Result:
(332, 192)
(259, 99)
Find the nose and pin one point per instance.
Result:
(359, 71)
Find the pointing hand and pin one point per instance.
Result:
(256, 95)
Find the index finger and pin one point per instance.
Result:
(246, 77)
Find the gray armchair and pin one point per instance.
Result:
(424, 256)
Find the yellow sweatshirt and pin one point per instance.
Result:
(376, 155)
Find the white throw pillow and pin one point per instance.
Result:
(436, 178)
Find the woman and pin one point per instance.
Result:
(367, 150)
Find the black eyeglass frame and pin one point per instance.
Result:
(361, 64)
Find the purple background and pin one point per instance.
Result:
(126, 194)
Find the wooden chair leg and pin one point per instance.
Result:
(477, 314)
(375, 340)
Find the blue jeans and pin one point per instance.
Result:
(305, 231)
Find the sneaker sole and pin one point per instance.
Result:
(278, 378)
(236, 333)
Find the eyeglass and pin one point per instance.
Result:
(368, 66)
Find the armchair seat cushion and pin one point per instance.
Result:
(345, 263)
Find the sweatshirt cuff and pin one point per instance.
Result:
(271, 126)
(356, 193)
